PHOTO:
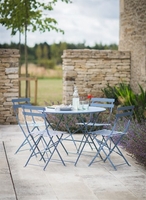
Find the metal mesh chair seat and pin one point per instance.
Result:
(106, 132)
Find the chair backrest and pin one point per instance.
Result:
(17, 104)
(36, 113)
(33, 110)
(123, 118)
(107, 103)
(102, 102)
(21, 101)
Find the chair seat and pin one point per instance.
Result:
(45, 133)
(95, 124)
(32, 124)
(106, 132)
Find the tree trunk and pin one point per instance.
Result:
(20, 63)
(26, 62)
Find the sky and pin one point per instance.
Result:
(83, 21)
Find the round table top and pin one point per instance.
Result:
(57, 110)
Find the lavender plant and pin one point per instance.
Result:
(135, 141)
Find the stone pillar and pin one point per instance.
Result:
(9, 66)
(133, 38)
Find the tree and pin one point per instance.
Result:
(28, 15)
(57, 51)
(38, 52)
(45, 51)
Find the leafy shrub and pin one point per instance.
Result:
(110, 92)
(124, 96)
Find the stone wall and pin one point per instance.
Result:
(9, 65)
(133, 38)
(92, 70)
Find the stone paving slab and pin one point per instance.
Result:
(6, 186)
(97, 182)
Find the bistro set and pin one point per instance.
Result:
(47, 129)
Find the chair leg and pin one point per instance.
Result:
(115, 146)
(111, 149)
(62, 145)
(84, 143)
(36, 143)
(55, 145)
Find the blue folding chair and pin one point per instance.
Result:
(106, 140)
(98, 120)
(107, 103)
(112, 137)
(45, 145)
(17, 107)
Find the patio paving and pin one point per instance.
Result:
(97, 182)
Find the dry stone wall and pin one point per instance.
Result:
(133, 38)
(92, 70)
(9, 65)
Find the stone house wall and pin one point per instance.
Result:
(133, 38)
(9, 65)
(92, 70)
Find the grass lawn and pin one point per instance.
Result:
(49, 90)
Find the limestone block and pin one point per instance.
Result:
(13, 90)
(4, 81)
(11, 119)
(89, 64)
(7, 103)
(70, 74)
(124, 75)
(4, 112)
(13, 70)
(2, 120)
(2, 70)
(13, 76)
(10, 94)
(112, 78)
(67, 68)
(9, 60)
(9, 51)
(8, 85)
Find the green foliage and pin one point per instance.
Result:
(47, 63)
(29, 14)
(56, 51)
(110, 92)
(38, 52)
(49, 51)
(101, 46)
(124, 96)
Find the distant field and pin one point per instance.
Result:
(49, 84)
(49, 90)
(41, 72)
